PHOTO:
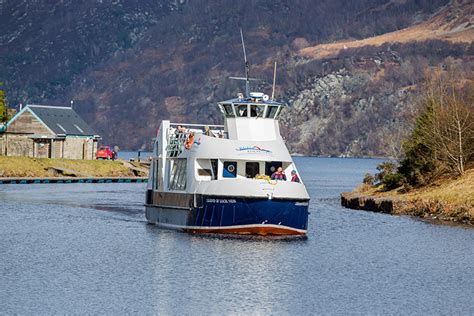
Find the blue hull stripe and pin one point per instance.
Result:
(221, 212)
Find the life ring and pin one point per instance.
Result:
(189, 141)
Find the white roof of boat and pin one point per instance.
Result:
(252, 101)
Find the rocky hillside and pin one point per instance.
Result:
(129, 64)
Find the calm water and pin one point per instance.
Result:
(86, 248)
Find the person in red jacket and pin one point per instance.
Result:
(294, 177)
(279, 175)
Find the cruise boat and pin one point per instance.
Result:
(218, 178)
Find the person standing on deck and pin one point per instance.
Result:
(294, 176)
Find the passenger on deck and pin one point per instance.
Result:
(180, 132)
(208, 132)
(279, 175)
(294, 177)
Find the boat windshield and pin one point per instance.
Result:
(251, 110)
(271, 111)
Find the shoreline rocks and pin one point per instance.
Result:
(426, 209)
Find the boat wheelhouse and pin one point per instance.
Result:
(217, 178)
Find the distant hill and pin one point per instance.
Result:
(453, 23)
(130, 64)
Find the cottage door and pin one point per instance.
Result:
(42, 148)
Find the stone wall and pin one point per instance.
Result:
(91, 149)
(79, 148)
(2, 144)
(70, 148)
(57, 151)
(19, 145)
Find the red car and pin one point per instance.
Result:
(104, 152)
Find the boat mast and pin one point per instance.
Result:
(247, 68)
(274, 79)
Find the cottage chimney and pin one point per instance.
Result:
(72, 102)
(21, 106)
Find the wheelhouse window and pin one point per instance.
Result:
(256, 110)
(228, 110)
(271, 111)
(280, 108)
(177, 180)
(241, 110)
(252, 169)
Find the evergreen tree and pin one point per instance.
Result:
(3, 106)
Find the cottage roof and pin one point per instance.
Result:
(61, 120)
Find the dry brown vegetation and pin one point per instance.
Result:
(455, 24)
(447, 196)
(38, 167)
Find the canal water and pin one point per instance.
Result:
(87, 249)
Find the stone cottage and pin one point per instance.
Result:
(45, 131)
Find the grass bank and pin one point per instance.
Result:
(44, 167)
(445, 200)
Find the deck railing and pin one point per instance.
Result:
(177, 139)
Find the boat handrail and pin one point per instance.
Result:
(197, 125)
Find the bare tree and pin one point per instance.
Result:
(447, 128)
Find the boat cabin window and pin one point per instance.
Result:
(252, 168)
(214, 166)
(230, 169)
(156, 169)
(206, 169)
(272, 166)
(241, 110)
(205, 172)
(177, 180)
(271, 111)
(228, 110)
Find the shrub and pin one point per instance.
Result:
(369, 179)
(385, 168)
(392, 181)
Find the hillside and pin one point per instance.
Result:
(357, 98)
(454, 23)
(128, 65)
